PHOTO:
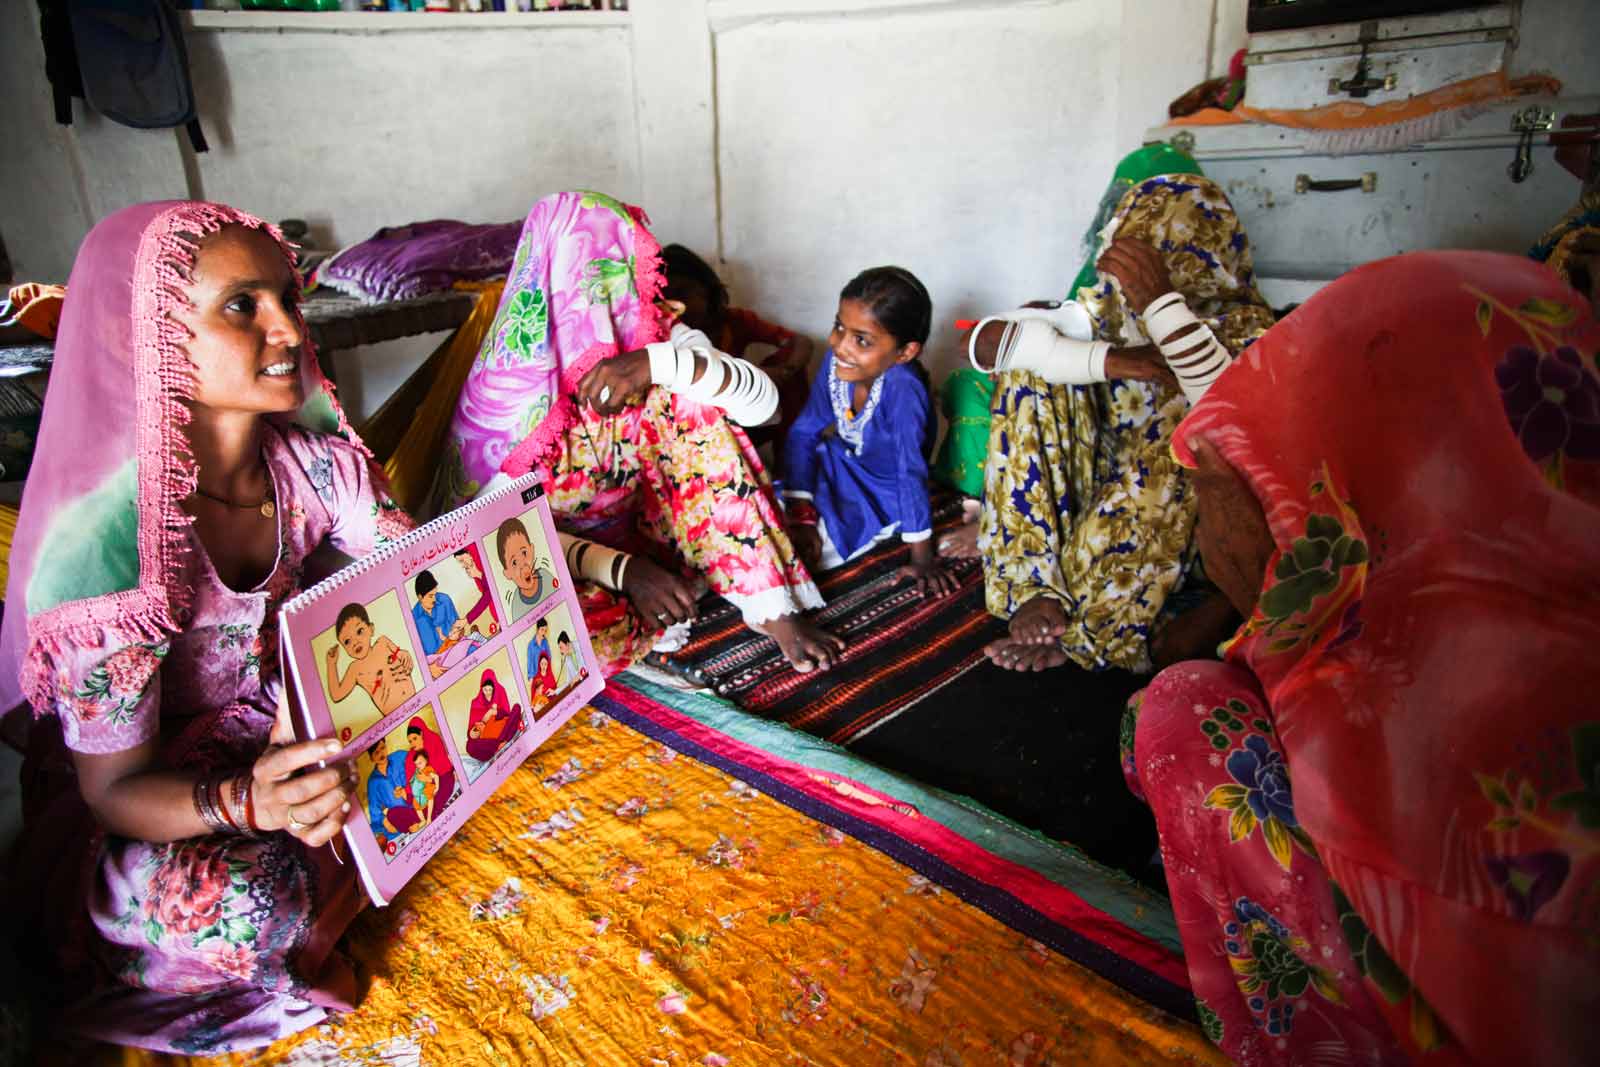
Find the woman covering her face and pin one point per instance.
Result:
(629, 420)
(1380, 817)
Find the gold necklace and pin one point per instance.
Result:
(267, 508)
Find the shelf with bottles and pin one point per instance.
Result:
(606, 13)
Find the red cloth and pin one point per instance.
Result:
(433, 746)
(1424, 435)
(497, 700)
(545, 681)
(485, 597)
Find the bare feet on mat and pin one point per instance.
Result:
(805, 645)
(1041, 621)
(1034, 643)
(1013, 655)
(1196, 633)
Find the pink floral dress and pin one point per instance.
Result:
(215, 943)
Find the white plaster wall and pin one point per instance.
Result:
(967, 143)
(356, 131)
(800, 139)
(351, 131)
(1560, 37)
(55, 181)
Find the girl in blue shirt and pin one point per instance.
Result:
(856, 462)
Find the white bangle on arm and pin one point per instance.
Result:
(1035, 345)
(1197, 357)
(594, 562)
(737, 386)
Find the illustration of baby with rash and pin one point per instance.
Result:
(378, 666)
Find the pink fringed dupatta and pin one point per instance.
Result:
(102, 532)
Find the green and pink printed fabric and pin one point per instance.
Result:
(582, 288)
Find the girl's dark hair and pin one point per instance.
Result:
(901, 304)
(676, 259)
(898, 301)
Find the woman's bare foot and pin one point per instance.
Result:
(1034, 643)
(805, 645)
(1013, 655)
(1041, 621)
(1196, 633)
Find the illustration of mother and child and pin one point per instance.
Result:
(408, 789)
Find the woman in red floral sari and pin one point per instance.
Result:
(1398, 490)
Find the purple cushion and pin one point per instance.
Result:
(401, 262)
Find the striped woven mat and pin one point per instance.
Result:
(901, 647)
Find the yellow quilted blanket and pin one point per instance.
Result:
(618, 902)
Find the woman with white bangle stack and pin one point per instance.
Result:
(631, 421)
(1087, 524)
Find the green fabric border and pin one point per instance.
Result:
(1103, 888)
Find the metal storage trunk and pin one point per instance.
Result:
(1312, 217)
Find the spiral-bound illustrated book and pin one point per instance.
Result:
(441, 662)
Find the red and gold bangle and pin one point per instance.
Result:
(250, 804)
(233, 802)
(225, 804)
(219, 800)
(205, 805)
(798, 512)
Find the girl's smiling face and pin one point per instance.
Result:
(862, 349)
(247, 331)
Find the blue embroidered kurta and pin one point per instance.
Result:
(868, 475)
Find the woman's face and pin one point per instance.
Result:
(414, 741)
(247, 334)
(487, 691)
(862, 349)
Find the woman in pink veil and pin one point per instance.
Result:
(492, 721)
(175, 837)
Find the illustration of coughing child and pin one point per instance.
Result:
(532, 576)
(378, 666)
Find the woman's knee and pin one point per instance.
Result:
(1167, 728)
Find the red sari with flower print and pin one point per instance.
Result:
(1421, 666)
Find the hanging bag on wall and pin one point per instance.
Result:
(131, 59)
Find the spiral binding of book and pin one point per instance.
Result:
(440, 662)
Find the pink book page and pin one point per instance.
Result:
(440, 662)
